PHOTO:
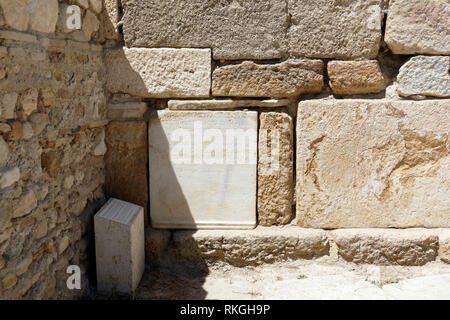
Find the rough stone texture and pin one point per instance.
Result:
(126, 162)
(425, 75)
(368, 164)
(250, 247)
(52, 104)
(43, 15)
(126, 110)
(287, 79)
(355, 77)
(275, 168)
(233, 29)
(156, 243)
(198, 184)
(109, 19)
(387, 246)
(16, 13)
(159, 73)
(335, 28)
(119, 247)
(444, 245)
(225, 104)
(416, 26)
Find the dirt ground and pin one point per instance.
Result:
(304, 279)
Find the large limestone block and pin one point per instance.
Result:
(126, 162)
(275, 168)
(119, 246)
(335, 28)
(287, 79)
(250, 247)
(159, 73)
(367, 163)
(425, 75)
(417, 26)
(387, 246)
(203, 169)
(233, 29)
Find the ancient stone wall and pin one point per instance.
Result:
(358, 91)
(52, 124)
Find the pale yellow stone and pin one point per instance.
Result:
(380, 164)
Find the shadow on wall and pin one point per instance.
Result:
(127, 178)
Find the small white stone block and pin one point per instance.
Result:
(203, 169)
(119, 246)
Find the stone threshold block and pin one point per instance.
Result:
(355, 77)
(410, 247)
(418, 27)
(425, 75)
(119, 246)
(334, 28)
(373, 164)
(287, 79)
(275, 168)
(126, 162)
(250, 247)
(222, 104)
(159, 73)
(234, 30)
(203, 169)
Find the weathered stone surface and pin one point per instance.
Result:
(335, 28)
(15, 13)
(156, 242)
(9, 101)
(233, 29)
(425, 75)
(275, 168)
(355, 77)
(387, 246)
(109, 19)
(43, 15)
(225, 104)
(373, 164)
(416, 26)
(4, 152)
(126, 162)
(444, 245)
(9, 176)
(27, 203)
(159, 73)
(96, 5)
(16, 132)
(287, 79)
(29, 101)
(126, 110)
(250, 247)
(119, 246)
(91, 24)
(199, 176)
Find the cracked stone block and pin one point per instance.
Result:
(119, 246)
(335, 28)
(373, 164)
(159, 73)
(203, 169)
(233, 29)
(417, 26)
